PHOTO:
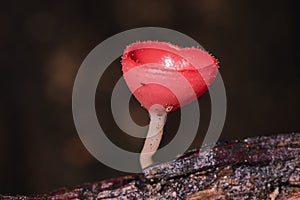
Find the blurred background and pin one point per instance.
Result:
(44, 42)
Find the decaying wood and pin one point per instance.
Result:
(254, 168)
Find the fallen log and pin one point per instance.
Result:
(266, 167)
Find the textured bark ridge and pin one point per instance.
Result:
(253, 168)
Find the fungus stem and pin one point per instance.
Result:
(154, 135)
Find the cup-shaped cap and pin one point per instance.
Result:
(165, 74)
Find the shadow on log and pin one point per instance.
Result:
(253, 168)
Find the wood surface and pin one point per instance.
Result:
(254, 168)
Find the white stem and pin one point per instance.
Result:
(154, 135)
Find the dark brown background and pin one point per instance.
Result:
(44, 42)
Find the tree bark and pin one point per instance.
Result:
(254, 168)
